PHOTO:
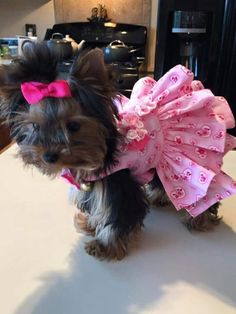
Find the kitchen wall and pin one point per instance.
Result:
(15, 14)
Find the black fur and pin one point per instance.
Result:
(127, 200)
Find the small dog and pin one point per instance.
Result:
(79, 128)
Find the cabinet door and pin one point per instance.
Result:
(4, 136)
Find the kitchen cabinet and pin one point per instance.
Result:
(4, 136)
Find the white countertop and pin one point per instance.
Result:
(44, 269)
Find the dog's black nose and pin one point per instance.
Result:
(50, 157)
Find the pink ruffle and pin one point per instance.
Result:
(177, 128)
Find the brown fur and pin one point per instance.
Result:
(81, 223)
(204, 222)
(109, 252)
(85, 149)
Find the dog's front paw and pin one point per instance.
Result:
(112, 252)
(81, 223)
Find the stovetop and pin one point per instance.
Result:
(101, 33)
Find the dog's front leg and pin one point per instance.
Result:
(115, 209)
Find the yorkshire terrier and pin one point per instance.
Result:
(77, 128)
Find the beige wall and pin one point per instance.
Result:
(14, 14)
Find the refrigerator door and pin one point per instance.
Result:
(226, 68)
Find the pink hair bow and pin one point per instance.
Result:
(36, 91)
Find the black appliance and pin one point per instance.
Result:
(190, 28)
(201, 35)
(126, 71)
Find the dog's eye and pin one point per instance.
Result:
(36, 127)
(73, 126)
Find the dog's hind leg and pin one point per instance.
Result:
(203, 222)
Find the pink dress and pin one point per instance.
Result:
(176, 128)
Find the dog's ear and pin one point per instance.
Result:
(11, 98)
(90, 66)
(92, 86)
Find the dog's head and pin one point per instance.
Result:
(76, 131)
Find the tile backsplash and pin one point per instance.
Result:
(122, 11)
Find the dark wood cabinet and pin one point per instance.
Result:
(4, 136)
